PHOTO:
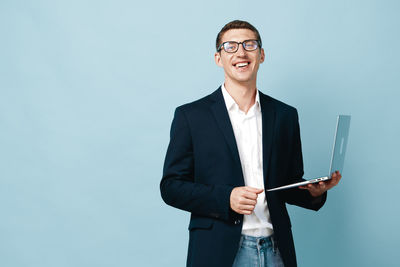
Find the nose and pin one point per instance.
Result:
(241, 50)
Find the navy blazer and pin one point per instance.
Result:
(202, 166)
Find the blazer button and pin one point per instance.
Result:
(237, 221)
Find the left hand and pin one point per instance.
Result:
(318, 189)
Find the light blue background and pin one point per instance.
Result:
(87, 94)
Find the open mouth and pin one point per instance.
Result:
(242, 65)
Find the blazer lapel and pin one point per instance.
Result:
(222, 117)
(268, 122)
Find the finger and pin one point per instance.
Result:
(250, 195)
(245, 212)
(338, 176)
(335, 178)
(333, 181)
(254, 190)
(246, 207)
(322, 185)
(314, 187)
(247, 201)
(320, 188)
(308, 186)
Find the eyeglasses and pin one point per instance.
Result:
(232, 46)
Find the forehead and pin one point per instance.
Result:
(238, 35)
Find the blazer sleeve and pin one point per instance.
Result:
(296, 196)
(178, 186)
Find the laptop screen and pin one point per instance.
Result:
(340, 144)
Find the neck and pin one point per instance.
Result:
(244, 94)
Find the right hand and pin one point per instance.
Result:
(243, 199)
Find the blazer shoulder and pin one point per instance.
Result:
(279, 106)
(197, 105)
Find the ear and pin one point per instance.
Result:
(262, 55)
(217, 58)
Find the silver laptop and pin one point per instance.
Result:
(339, 150)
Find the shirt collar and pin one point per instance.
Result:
(230, 102)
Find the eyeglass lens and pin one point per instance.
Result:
(248, 45)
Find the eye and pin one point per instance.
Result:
(230, 46)
(251, 45)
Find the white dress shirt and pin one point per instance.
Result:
(248, 134)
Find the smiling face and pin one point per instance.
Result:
(240, 67)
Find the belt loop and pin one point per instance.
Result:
(274, 247)
(241, 241)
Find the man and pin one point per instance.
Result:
(225, 150)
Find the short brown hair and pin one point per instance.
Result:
(236, 24)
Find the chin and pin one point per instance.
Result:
(244, 79)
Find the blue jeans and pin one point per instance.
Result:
(258, 252)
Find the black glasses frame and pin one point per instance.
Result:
(238, 43)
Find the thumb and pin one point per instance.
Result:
(254, 190)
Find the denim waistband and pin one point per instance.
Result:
(259, 242)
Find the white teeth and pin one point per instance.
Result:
(242, 64)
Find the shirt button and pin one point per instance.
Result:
(237, 221)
